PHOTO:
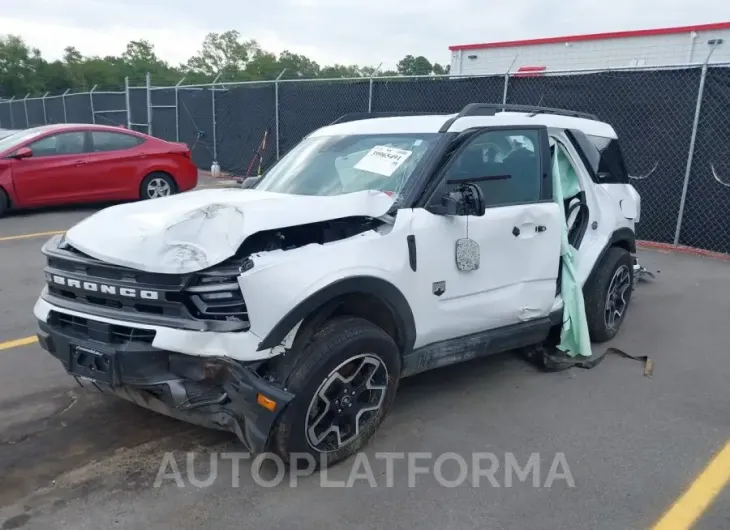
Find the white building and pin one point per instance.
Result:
(651, 47)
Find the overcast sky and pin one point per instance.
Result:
(364, 32)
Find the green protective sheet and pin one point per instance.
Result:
(574, 336)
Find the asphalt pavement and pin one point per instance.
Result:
(630, 445)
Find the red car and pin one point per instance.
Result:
(65, 164)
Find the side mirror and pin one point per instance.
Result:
(23, 152)
(466, 199)
(250, 182)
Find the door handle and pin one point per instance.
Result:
(80, 162)
(540, 228)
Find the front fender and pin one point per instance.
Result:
(281, 281)
(370, 285)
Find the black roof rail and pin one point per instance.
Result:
(490, 109)
(356, 116)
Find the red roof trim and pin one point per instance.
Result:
(594, 36)
(530, 71)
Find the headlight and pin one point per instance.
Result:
(216, 295)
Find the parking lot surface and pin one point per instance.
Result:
(71, 458)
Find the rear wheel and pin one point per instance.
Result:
(608, 295)
(156, 185)
(344, 381)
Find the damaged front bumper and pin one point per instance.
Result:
(213, 392)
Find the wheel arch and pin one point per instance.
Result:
(624, 238)
(371, 298)
(4, 191)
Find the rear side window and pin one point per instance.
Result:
(611, 165)
(110, 141)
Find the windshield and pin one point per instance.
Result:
(6, 142)
(334, 165)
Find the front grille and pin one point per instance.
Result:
(74, 276)
(85, 328)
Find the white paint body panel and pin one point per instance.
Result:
(240, 346)
(516, 280)
(196, 230)
(432, 124)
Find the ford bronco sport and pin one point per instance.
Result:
(377, 248)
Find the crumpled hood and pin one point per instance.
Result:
(195, 230)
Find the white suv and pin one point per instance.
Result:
(379, 247)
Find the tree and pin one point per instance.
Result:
(411, 65)
(224, 54)
(23, 70)
(441, 70)
(263, 65)
(297, 65)
(18, 65)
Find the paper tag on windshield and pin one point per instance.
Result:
(383, 160)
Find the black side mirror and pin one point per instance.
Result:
(250, 182)
(466, 199)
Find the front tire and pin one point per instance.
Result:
(344, 382)
(608, 295)
(157, 185)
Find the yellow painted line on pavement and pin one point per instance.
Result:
(29, 236)
(17, 343)
(688, 509)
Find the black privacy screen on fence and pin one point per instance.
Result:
(706, 220)
(243, 115)
(652, 111)
(435, 95)
(195, 109)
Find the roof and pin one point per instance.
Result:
(87, 126)
(62, 126)
(432, 124)
(595, 36)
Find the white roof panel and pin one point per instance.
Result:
(432, 124)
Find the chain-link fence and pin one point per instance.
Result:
(672, 122)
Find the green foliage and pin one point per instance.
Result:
(24, 71)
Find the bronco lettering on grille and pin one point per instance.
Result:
(102, 288)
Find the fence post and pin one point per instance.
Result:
(148, 84)
(370, 89)
(693, 140)
(126, 102)
(25, 104)
(177, 110)
(276, 110)
(12, 119)
(45, 115)
(214, 170)
(506, 80)
(63, 100)
(91, 103)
